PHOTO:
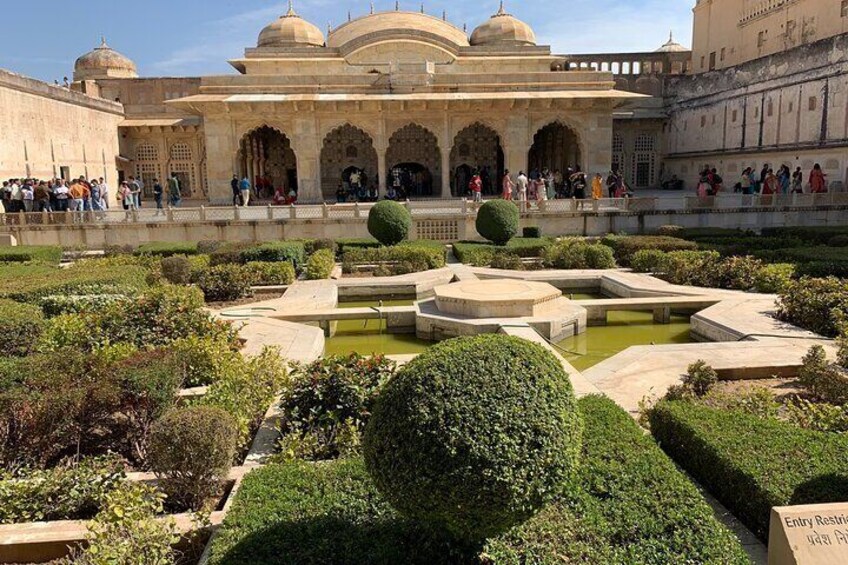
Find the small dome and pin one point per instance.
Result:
(290, 31)
(671, 46)
(104, 62)
(503, 28)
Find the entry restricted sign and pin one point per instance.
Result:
(814, 534)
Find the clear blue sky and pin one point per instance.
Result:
(42, 38)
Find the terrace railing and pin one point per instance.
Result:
(429, 209)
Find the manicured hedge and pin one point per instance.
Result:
(818, 305)
(625, 247)
(35, 284)
(416, 255)
(497, 221)
(21, 326)
(24, 254)
(348, 244)
(521, 246)
(815, 235)
(629, 505)
(819, 261)
(320, 265)
(292, 251)
(578, 254)
(167, 249)
(752, 464)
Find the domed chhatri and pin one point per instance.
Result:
(104, 62)
(671, 46)
(503, 28)
(290, 30)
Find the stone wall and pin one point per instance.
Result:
(47, 131)
(790, 108)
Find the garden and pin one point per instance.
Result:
(129, 403)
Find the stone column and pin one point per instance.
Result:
(446, 145)
(307, 147)
(597, 143)
(382, 173)
(221, 151)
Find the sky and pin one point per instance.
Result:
(197, 37)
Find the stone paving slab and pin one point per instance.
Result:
(297, 342)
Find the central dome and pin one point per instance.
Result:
(503, 28)
(104, 62)
(396, 24)
(291, 31)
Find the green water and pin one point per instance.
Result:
(368, 337)
(624, 329)
(583, 295)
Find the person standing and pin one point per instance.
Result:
(77, 199)
(27, 196)
(818, 180)
(158, 193)
(244, 189)
(42, 197)
(63, 196)
(507, 186)
(15, 197)
(745, 181)
(771, 185)
(174, 192)
(521, 184)
(798, 181)
(104, 193)
(612, 183)
(234, 186)
(476, 187)
(597, 187)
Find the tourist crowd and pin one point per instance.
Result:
(765, 182)
(83, 195)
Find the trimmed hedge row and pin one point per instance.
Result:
(25, 254)
(292, 251)
(35, 284)
(625, 247)
(414, 256)
(818, 305)
(533, 247)
(167, 249)
(813, 235)
(752, 464)
(320, 265)
(629, 505)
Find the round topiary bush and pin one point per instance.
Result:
(389, 222)
(497, 221)
(191, 451)
(475, 435)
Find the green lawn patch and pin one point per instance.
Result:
(629, 505)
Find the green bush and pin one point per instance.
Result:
(389, 222)
(230, 253)
(191, 451)
(625, 247)
(578, 254)
(475, 435)
(350, 243)
(531, 232)
(820, 235)
(176, 269)
(292, 251)
(497, 221)
(700, 378)
(419, 257)
(738, 273)
(226, 282)
(269, 274)
(751, 464)
(21, 326)
(693, 268)
(328, 404)
(246, 391)
(207, 246)
(26, 253)
(838, 241)
(507, 261)
(127, 531)
(630, 504)
(818, 305)
(827, 382)
(72, 492)
(671, 231)
(320, 265)
(158, 316)
(167, 249)
(202, 361)
(34, 284)
(818, 416)
(649, 261)
(772, 279)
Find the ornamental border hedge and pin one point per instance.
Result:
(631, 503)
(26, 253)
(167, 249)
(77, 280)
(751, 464)
(626, 246)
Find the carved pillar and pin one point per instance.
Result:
(382, 173)
(446, 145)
(307, 147)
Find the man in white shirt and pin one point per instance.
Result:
(521, 184)
(104, 193)
(16, 196)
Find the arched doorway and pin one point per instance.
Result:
(267, 159)
(347, 149)
(476, 148)
(556, 148)
(413, 157)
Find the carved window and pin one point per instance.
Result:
(734, 116)
(181, 152)
(762, 37)
(813, 103)
(845, 8)
(146, 152)
(770, 107)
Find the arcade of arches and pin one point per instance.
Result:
(412, 159)
(267, 159)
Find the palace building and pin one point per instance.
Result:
(406, 94)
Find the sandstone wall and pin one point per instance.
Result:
(44, 128)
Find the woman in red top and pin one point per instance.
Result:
(817, 180)
(771, 186)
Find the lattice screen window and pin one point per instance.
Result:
(185, 174)
(437, 230)
(617, 152)
(643, 172)
(181, 152)
(146, 152)
(148, 172)
(645, 142)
